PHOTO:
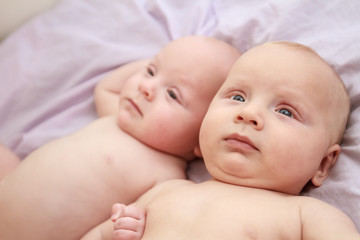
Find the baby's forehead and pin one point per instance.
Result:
(284, 62)
(202, 76)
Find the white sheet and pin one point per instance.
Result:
(48, 68)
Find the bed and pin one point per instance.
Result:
(53, 53)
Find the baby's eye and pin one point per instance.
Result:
(172, 94)
(285, 112)
(237, 97)
(150, 71)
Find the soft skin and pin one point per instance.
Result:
(267, 133)
(66, 187)
(271, 121)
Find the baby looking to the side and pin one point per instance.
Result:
(274, 126)
(66, 187)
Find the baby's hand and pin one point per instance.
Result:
(129, 222)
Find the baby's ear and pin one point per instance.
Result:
(197, 152)
(327, 163)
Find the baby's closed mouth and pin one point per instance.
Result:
(136, 107)
(239, 142)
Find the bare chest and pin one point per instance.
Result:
(212, 212)
(105, 157)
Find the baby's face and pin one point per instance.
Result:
(164, 104)
(267, 126)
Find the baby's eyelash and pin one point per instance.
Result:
(289, 111)
(175, 95)
(150, 70)
(172, 94)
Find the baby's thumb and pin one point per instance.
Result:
(116, 211)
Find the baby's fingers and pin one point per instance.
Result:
(117, 210)
(129, 223)
(128, 228)
(126, 235)
(120, 210)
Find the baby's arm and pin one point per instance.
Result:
(322, 221)
(8, 161)
(108, 89)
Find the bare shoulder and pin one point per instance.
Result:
(321, 220)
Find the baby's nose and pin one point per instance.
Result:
(147, 88)
(250, 117)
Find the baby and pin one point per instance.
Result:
(274, 126)
(66, 187)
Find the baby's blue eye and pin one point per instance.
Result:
(237, 98)
(285, 112)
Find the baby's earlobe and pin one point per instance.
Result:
(326, 164)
